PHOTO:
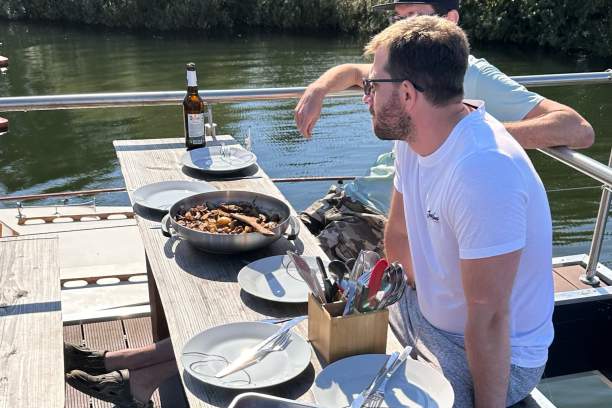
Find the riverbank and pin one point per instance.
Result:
(526, 22)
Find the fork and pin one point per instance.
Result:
(374, 395)
(365, 278)
(375, 400)
(277, 343)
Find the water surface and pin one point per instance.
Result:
(72, 149)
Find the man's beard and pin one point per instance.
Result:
(391, 123)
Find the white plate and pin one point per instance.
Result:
(160, 196)
(413, 385)
(275, 278)
(210, 351)
(210, 160)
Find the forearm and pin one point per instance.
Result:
(557, 128)
(397, 249)
(341, 77)
(487, 344)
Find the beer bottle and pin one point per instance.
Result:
(193, 110)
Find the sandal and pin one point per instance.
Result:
(84, 359)
(110, 387)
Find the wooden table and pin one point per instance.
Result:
(31, 351)
(199, 290)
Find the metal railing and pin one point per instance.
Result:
(110, 100)
(578, 161)
(603, 174)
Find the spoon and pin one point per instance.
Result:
(339, 270)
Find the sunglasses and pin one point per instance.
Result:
(368, 84)
(396, 17)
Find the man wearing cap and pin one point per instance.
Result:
(353, 218)
(469, 220)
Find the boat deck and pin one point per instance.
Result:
(567, 278)
(132, 333)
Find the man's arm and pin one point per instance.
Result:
(487, 284)
(550, 124)
(336, 79)
(397, 247)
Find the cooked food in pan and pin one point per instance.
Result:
(223, 218)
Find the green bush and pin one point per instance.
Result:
(560, 24)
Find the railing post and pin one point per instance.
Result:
(590, 277)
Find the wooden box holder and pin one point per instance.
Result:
(335, 336)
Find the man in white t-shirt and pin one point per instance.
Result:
(469, 219)
(352, 218)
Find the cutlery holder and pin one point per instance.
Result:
(335, 336)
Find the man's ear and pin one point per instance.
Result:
(453, 16)
(409, 93)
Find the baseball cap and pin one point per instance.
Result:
(446, 4)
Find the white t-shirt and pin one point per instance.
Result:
(478, 195)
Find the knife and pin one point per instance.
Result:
(328, 288)
(253, 355)
(308, 276)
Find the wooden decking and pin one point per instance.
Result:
(116, 335)
(30, 323)
(567, 278)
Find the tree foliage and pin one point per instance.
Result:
(560, 24)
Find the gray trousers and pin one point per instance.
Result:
(446, 352)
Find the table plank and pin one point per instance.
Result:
(31, 351)
(199, 290)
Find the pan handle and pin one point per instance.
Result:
(166, 226)
(294, 224)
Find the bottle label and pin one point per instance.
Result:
(191, 78)
(195, 127)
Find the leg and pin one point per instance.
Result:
(141, 357)
(158, 318)
(432, 346)
(124, 388)
(446, 352)
(145, 381)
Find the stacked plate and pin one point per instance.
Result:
(275, 278)
(414, 384)
(219, 159)
(161, 196)
(212, 350)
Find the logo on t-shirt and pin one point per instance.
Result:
(433, 216)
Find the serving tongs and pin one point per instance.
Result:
(358, 279)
